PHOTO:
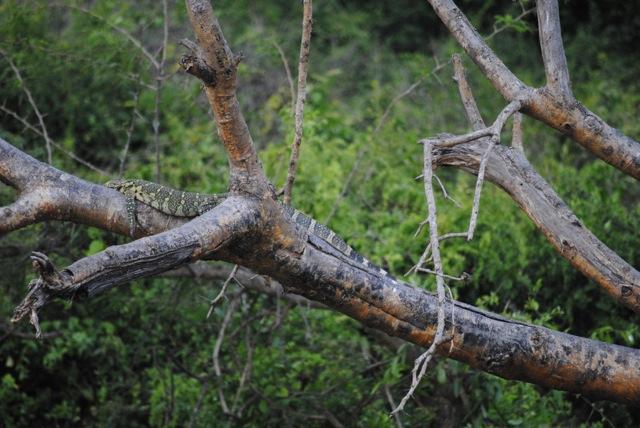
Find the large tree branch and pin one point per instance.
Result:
(507, 348)
(491, 343)
(254, 233)
(204, 237)
(553, 105)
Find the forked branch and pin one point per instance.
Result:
(553, 104)
(511, 171)
(212, 61)
(422, 362)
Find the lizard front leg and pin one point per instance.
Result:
(130, 204)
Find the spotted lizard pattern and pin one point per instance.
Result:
(190, 204)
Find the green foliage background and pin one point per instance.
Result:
(142, 355)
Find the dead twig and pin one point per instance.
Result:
(433, 248)
(422, 362)
(287, 69)
(33, 104)
(217, 369)
(212, 303)
(305, 45)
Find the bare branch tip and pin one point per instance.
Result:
(237, 59)
(35, 321)
(192, 46)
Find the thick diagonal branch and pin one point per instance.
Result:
(491, 343)
(510, 170)
(507, 348)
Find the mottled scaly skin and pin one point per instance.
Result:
(191, 204)
(169, 201)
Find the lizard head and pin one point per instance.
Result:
(128, 187)
(113, 184)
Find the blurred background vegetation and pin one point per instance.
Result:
(142, 355)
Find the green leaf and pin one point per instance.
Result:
(95, 247)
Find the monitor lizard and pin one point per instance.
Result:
(191, 204)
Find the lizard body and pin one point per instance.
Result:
(191, 204)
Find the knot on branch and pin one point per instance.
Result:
(594, 123)
(195, 64)
(197, 67)
(237, 59)
(47, 271)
